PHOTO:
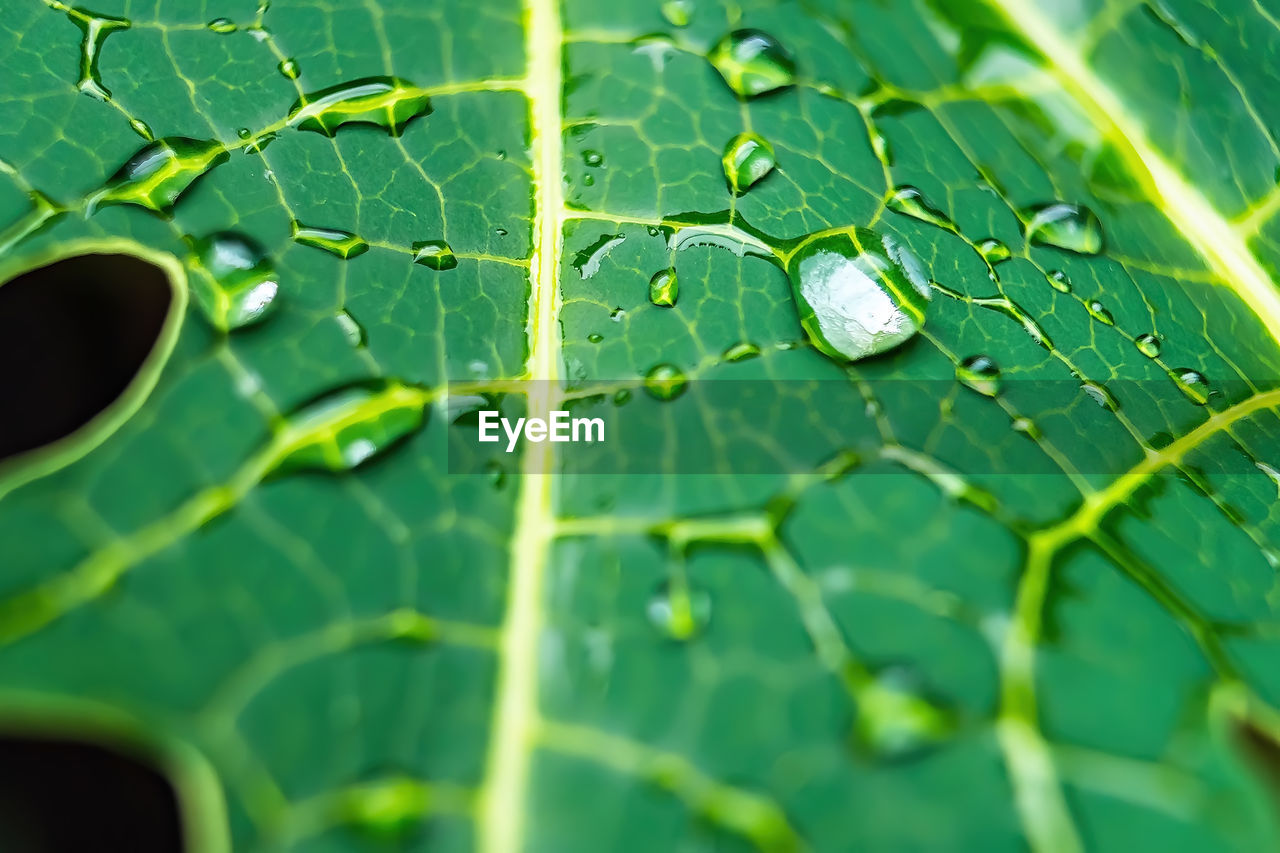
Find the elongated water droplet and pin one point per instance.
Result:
(222, 25)
(981, 374)
(289, 68)
(1100, 394)
(157, 175)
(665, 382)
(744, 351)
(1099, 312)
(351, 328)
(238, 284)
(587, 261)
(727, 237)
(387, 102)
(747, 158)
(1073, 227)
(678, 611)
(753, 63)
(894, 721)
(344, 244)
(96, 28)
(142, 129)
(857, 293)
(664, 288)
(909, 201)
(1192, 383)
(994, 251)
(348, 427)
(1148, 345)
(678, 12)
(1059, 281)
(881, 148)
(434, 254)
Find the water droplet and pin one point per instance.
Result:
(1073, 227)
(858, 294)
(617, 315)
(258, 145)
(289, 68)
(1099, 312)
(387, 102)
(678, 12)
(595, 337)
(594, 159)
(222, 25)
(351, 328)
(1148, 345)
(386, 809)
(981, 374)
(587, 261)
(434, 254)
(744, 351)
(678, 611)
(881, 148)
(894, 721)
(994, 251)
(238, 284)
(588, 181)
(501, 232)
(747, 158)
(665, 382)
(622, 397)
(1026, 426)
(96, 28)
(727, 237)
(1058, 281)
(1100, 395)
(142, 129)
(1192, 383)
(158, 174)
(344, 244)
(664, 288)
(911, 202)
(753, 63)
(348, 427)
(244, 133)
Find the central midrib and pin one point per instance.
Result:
(515, 720)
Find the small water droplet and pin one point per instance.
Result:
(351, 328)
(1192, 383)
(289, 68)
(858, 293)
(994, 251)
(881, 148)
(1059, 281)
(1026, 426)
(1148, 345)
(343, 244)
(588, 181)
(1100, 395)
(142, 129)
(595, 337)
(237, 285)
(222, 25)
(679, 612)
(622, 397)
(909, 201)
(664, 288)
(654, 231)
(1099, 312)
(744, 351)
(593, 159)
(980, 373)
(1061, 225)
(244, 133)
(158, 174)
(665, 382)
(747, 158)
(388, 102)
(894, 721)
(434, 254)
(753, 63)
(678, 12)
(587, 261)
(501, 232)
(348, 427)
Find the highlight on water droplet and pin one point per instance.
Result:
(753, 63)
(1192, 383)
(748, 157)
(1148, 345)
(289, 68)
(980, 373)
(993, 251)
(388, 102)
(664, 288)
(1059, 281)
(343, 244)
(909, 201)
(348, 427)
(1061, 225)
(1099, 312)
(744, 351)
(351, 328)
(237, 284)
(678, 13)
(1101, 395)
(434, 254)
(222, 25)
(159, 173)
(679, 612)
(665, 382)
(858, 293)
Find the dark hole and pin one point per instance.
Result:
(59, 796)
(72, 336)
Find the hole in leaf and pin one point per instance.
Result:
(60, 796)
(73, 335)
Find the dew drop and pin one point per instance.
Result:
(595, 337)
(678, 13)
(1026, 426)
(1058, 281)
(289, 68)
(434, 254)
(622, 397)
(1148, 345)
(388, 102)
(994, 251)
(679, 612)
(158, 174)
(141, 128)
(587, 261)
(1192, 383)
(1100, 395)
(386, 809)
(343, 244)
(351, 328)
(593, 159)
(747, 158)
(244, 133)
(909, 201)
(1073, 227)
(665, 382)
(981, 374)
(881, 148)
(588, 180)
(664, 288)
(753, 63)
(858, 293)
(744, 351)
(1099, 312)
(238, 285)
(894, 721)
(348, 427)
(222, 25)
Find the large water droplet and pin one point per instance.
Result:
(238, 286)
(434, 254)
(1192, 383)
(678, 611)
(344, 244)
(1148, 345)
(1073, 227)
(678, 12)
(664, 288)
(387, 102)
(894, 721)
(96, 28)
(158, 174)
(857, 293)
(909, 201)
(665, 382)
(980, 373)
(753, 62)
(348, 427)
(587, 261)
(747, 158)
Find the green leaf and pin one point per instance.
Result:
(1004, 577)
